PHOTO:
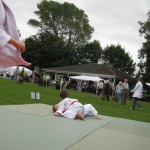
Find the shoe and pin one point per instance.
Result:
(131, 108)
(141, 108)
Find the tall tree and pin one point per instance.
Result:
(90, 53)
(64, 21)
(43, 50)
(118, 58)
(62, 30)
(144, 52)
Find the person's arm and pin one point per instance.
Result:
(57, 114)
(135, 87)
(18, 44)
(60, 109)
(5, 38)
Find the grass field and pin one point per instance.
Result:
(12, 93)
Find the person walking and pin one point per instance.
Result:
(137, 94)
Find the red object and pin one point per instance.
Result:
(70, 105)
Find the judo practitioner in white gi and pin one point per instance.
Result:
(89, 110)
(71, 108)
(10, 45)
(68, 107)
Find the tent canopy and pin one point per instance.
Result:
(12, 69)
(87, 78)
(148, 84)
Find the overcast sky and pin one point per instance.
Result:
(114, 21)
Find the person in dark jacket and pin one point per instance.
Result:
(107, 90)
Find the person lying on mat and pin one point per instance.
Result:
(71, 108)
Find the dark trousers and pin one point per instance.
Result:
(107, 95)
(135, 102)
(124, 96)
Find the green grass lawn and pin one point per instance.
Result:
(12, 93)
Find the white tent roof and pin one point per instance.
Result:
(12, 69)
(87, 78)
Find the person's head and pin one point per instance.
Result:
(120, 83)
(55, 107)
(126, 80)
(107, 81)
(63, 94)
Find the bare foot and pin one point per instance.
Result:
(98, 117)
(80, 116)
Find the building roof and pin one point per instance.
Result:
(100, 70)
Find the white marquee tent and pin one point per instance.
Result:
(86, 78)
(12, 69)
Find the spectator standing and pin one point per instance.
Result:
(61, 83)
(107, 90)
(125, 91)
(44, 79)
(21, 76)
(137, 94)
(16, 75)
(48, 79)
(79, 85)
(100, 87)
(112, 88)
(119, 91)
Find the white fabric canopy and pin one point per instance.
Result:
(12, 69)
(86, 78)
(148, 84)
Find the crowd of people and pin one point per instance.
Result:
(19, 76)
(121, 92)
(104, 89)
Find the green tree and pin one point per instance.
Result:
(43, 50)
(90, 53)
(62, 30)
(64, 21)
(118, 58)
(144, 52)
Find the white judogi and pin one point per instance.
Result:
(89, 110)
(9, 55)
(69, 107)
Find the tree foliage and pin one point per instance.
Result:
(90, 53)
(64, 21)
(63, 31)
(43, 50)
(118, 58)
(144, 52)
(46, 50)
